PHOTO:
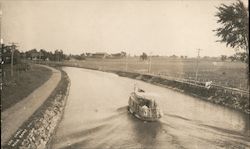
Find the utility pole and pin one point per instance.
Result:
(126, 62)
(13, 47)
(1, 52)
(1, 65)
(197, 65)
(40, 57)
(150, 61)
(1, 13)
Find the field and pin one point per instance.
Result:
(229, 74)
(21, 84)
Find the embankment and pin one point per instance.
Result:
(215, 94)
(37, 131)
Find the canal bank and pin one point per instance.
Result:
(36, 132)
(215, 94)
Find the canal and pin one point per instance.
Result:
(96, 117)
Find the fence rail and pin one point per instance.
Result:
(196, 83)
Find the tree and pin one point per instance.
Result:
(144, 56)
(233, 58)
(234, 19)
(223, 57)
(32, 54)
(43, 54)
(173, 56)
(58, 55)
(123, 54)
(6, 55)
(239, 56)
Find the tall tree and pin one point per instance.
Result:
(144, 56)
(234, 30)
(235, 25)
(223, 57)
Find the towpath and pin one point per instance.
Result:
(15, 116)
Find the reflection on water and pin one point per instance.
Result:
(145, 132)
(96, 116)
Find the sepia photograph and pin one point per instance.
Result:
(124, 74)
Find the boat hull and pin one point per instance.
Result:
(151, 119)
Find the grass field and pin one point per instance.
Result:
(21, 84)
(230, 74)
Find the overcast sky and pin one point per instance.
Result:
(157, 27)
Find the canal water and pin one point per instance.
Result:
(96, 116)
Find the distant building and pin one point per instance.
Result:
(173, 57)
(100, 55)
(118, 55)
(35, 55)
(88, 54)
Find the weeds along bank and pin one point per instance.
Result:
(230, 98)
(37, 131)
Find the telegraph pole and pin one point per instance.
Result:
(126, 62)
(13, 47)
(1, 13)
(1, 65)
(1, 52)
(150, 61)
(197, 65)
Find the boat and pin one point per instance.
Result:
(144, 106)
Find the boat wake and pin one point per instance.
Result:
(124, 130)
(120, 130)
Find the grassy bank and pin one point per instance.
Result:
(233, 99)
(37, 131)
(22, 83)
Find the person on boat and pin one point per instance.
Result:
(145, 110)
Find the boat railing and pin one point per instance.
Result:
(151, 112)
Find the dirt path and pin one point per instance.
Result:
(15, 116)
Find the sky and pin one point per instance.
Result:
(163, 27)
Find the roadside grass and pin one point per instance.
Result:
(21, 84)
(229, 74)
